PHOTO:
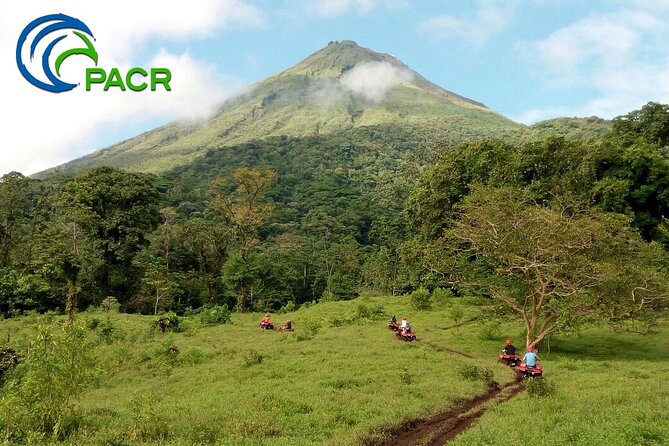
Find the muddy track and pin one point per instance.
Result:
(441, 428)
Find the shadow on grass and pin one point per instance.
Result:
(607, 345)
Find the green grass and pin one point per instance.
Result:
(235, 384)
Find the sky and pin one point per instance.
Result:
(529, 60)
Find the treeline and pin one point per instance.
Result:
(286, 220)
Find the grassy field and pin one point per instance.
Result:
(343, 379)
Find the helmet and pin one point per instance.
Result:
(508, 342)
(266, 314)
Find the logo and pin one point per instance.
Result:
(52, 26)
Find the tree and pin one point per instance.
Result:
(649, 124)
(557, 265)
(243, 211)
(115, 211)
(15, 204)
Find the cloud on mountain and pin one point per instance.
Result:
(372, 80)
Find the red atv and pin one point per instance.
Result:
(530, 372)
(267, 326)
(510, 360)
(392, 325)
(404, 335)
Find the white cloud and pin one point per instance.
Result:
(372, 80)
(333, 8)
(41, 129)
(367, 80)
(490, 18)
(622, 56)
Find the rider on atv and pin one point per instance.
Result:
(287, 326)
(509, 349)
(265, 322)
(530, 359)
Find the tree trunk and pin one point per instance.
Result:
(71, 302)
(155, 308)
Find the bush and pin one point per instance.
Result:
(288, 308)
(489, 331)
(457, 313)
(8, 360)
(540, 387)
(308, 329)
(167, 322)
(474, 372)
(110, 305)
(107, 332)
(328, 296)
(440, 295)
(251, 358)
(405, 376)
(218, 314)
(92, 324)
(369, 312)
(40, 399)
(421, 299)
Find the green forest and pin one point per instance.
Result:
(285, 221)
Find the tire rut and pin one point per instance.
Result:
(442, 428)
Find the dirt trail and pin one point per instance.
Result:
(441, 428)
(461, 324)
(441, 348)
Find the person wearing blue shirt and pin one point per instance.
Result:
(530, 359)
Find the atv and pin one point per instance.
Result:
(392, 325)
(267, 326)
(510, 360)
(405, 336)
(530, 372)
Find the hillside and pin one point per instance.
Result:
(580, 129)
(342, 378)
(340, 87)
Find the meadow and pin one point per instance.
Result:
(342, 378)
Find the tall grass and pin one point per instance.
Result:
(343, 378)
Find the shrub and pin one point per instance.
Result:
(328, 296)
(288, 308)
(218, 314)
(540, 387)
(440, 295)
(107, 332)
(371, 312)
(421, 299)
(308, 329)
(405, 376)
(8, 360)
(92, 324)
(489, 331)
(457, 313)
(251, 358)
(474, 372)
(110, 305)
(167, 322)
(40, 399)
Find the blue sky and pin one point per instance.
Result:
(527, 59)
